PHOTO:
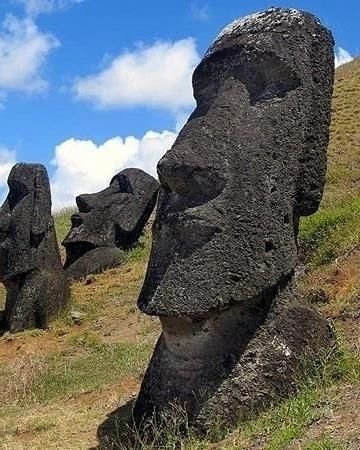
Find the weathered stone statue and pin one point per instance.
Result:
(248, 164)
(109, 222)
(30, 265)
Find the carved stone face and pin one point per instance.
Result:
(113, 217)
(24, 219)
(249, 162)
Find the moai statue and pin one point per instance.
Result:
(250, 161)
(109, 222)
(30, 265)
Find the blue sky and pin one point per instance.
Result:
(88, 87)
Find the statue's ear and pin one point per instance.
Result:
(311, 181)
(41, 206)
(312, 161)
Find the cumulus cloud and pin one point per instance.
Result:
(36, 7)
(81, 166)
(23, 51)
(157, 76)
(342, 56)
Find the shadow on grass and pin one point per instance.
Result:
(116, 432)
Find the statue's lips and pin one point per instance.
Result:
(77, 241)
(76, 249)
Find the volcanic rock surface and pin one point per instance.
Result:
(250, 161)
(30, 265)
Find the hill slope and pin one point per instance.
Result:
(58, 385)
(343, 180)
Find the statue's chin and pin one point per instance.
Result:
(194, 342)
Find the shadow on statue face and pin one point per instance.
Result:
(233, 185)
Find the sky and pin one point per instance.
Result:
(90, 87)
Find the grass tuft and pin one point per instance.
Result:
(324, 443)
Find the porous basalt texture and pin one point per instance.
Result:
(250, 161)
(109, 222)
(30, 265)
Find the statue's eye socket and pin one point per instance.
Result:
(268, 78)
(264, 74)
(17, 191)
(121, 183)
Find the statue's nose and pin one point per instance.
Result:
(175, 175)
(84, 203)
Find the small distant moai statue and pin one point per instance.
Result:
(30, 265)
(250, 161)
(109, 222)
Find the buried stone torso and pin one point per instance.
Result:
(30, 265)
(250, 161)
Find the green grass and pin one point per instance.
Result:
(86, 340)
(330, 233)
(103, 365)
(62, 222)
(324, 443)
(141, 251)
(282, 424)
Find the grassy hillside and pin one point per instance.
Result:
(59, 385)
(343, 180)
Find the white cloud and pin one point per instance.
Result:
(342, 56)
(158, 76)
(7, 160)
(35, 7)
(84, 167)
(23, 51)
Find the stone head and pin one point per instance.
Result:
(113, 217)
(250, 161)
(25, 218)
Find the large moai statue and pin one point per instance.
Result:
(30, 265)
(109, 222)
(250, 161)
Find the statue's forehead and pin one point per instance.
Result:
(27, 172)
(272, 20)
